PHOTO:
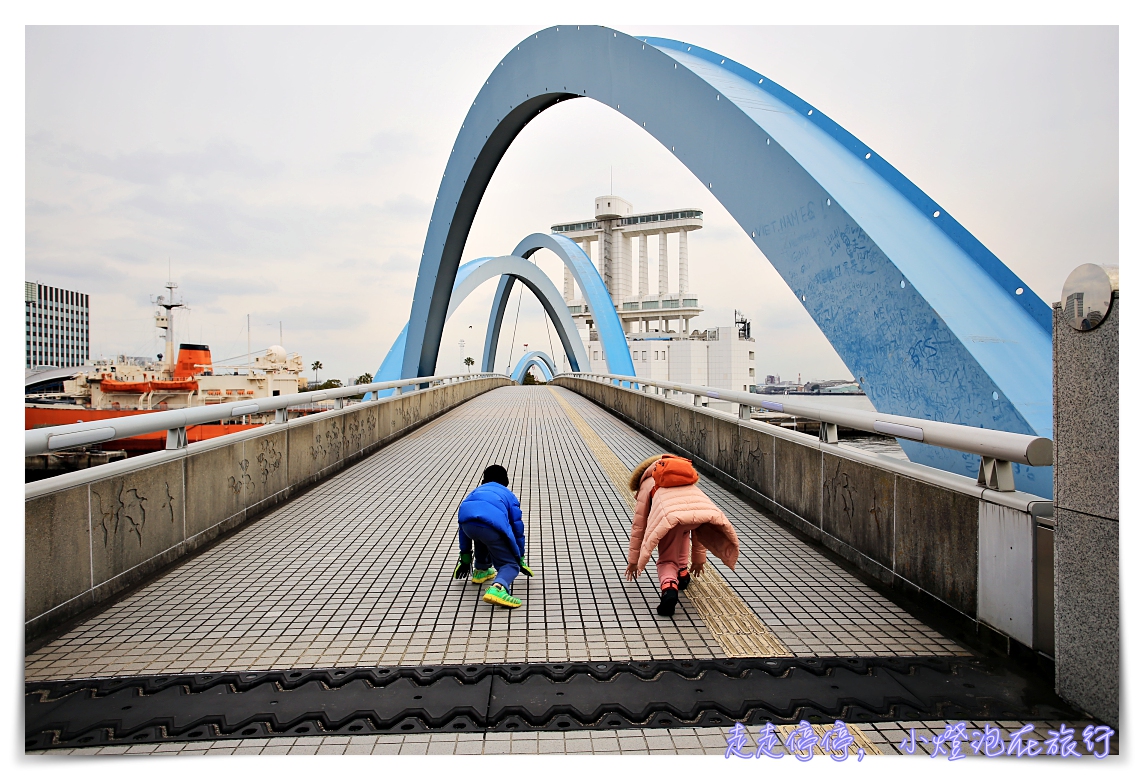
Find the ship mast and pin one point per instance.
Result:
(166, 321)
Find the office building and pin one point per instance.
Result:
(56, 326)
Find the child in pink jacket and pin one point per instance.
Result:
(680, 520)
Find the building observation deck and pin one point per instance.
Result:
(637, 219)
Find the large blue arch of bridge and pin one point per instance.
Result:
(931, 322)
(535, 358)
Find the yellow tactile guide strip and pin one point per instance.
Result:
(734, 626)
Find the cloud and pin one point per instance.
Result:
(387, 146)
(152, 166)
(281, 175)
(39, 208)
(323, 317)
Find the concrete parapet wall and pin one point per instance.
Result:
(914, 528)
(92, 534)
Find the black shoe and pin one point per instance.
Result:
(684, 580)
(668, 598)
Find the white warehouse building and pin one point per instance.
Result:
(658, 325)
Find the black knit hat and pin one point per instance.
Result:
(495, 473)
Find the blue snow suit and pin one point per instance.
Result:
(490, 519)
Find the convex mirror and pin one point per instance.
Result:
(1086, 297)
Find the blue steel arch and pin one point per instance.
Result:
(472, 275)
(538, 359)
(613, 342)
(930, 321)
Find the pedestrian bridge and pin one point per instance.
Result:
(325, 547)
(289, 589)
(356, 571)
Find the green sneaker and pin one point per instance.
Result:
(483, 575)
(496, 594)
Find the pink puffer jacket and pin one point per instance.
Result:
(685, 506)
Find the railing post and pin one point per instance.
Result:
(339, 403)
(828, 432)
(281, 416)
(176, 438)
(744, 412)
(996, 475)
(696, 397)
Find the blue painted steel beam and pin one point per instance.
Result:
(538, 359)
(930, 321)
(613, 342)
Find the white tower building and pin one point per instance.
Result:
(612, 231)
(658, 325)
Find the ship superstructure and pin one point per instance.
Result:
(180, 378)
(193, 380)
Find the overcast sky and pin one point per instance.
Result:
(289, 173)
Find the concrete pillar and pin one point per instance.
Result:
(662, 264)
(682, 262)
(1086, 554)
(622, 265)
(569, 286)
(643, 265)
(607, 261)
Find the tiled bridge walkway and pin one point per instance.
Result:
(356, 572)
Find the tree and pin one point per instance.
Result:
(468, 364)
(316, 366)
(364, 379)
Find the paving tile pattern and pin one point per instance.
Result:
(812, 605)
(732, 623)
(357, 570)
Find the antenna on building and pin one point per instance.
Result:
(743, 324)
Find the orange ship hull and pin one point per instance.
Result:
(38, 417)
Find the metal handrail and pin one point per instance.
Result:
(175, 421)
(999, 446)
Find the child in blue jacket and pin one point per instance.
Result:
(490, 522)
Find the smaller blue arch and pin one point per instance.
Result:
(613, 340)
(469, 277)
(535, 358)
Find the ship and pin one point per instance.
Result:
(179, 379)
